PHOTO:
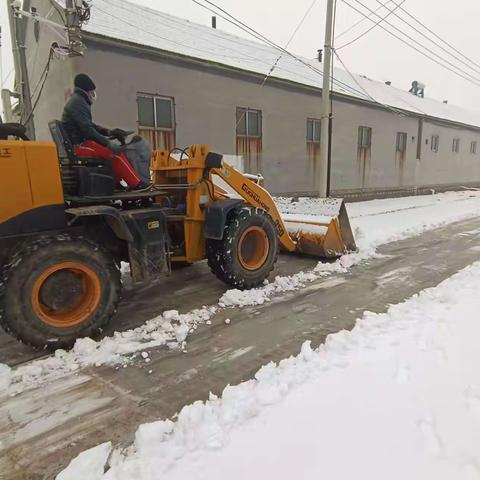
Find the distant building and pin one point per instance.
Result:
(179, 83)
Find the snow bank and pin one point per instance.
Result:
(170, 329)
(397, 397)
(89, 465)
(374, 223)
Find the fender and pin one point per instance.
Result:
(216, 216)
(112, 216)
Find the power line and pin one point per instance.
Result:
(251, 58)
(292, 36)
(41, 81)
(455, 68)
(264, 39)
(155, 35)
(351, 27)
(352, 76)
(436, 35)
(427, 37)
(423, 46)
(362, 92)
(372, 27)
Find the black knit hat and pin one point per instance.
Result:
(83, 81)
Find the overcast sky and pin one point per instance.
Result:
(376, 55)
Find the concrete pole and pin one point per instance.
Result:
(25, 93)
(322, 172)
(14, 43)
(22, 83)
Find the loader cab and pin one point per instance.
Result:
(81, 176)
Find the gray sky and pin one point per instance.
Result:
(376, 55)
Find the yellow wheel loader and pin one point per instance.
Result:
(63, 238)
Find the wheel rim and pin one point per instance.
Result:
(65, 294)
(253, 248)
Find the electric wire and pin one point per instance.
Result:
(292, 36)
(372, 27)
(264, 39)
(59, 11)
(43, 79)
(362, 92)
(174, 42)
(351, 27)
(455, 70)
(352, 76)
(397, 6)
(256, 59)
(436, 35)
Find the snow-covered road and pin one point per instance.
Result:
(397, 397)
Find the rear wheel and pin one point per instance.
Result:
(58, 289)
(248, 251)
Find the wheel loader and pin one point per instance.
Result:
(65, 228)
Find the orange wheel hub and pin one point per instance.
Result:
(253, 248)
(66, 294)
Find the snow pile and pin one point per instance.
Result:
(397, 397)
(89, 465)
(170, 329)
(282, 284)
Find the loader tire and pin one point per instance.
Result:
(58, 289)
(248, 251)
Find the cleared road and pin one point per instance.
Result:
(41, 430)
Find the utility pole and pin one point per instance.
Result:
(322, 173)
(17, 30)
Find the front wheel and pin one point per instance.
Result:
(248, 251)
(58, 289)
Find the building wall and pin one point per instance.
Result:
(206, 99)
(445, 165)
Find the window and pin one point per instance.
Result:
(249, 122)
(473, 148)
(364, 137)
(456, 145)
(156, 112)
(313, 130)
(434, 143)
(401, 146)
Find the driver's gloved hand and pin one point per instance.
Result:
(115, 148)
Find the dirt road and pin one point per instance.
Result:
(41, 429)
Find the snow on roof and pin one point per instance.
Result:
(122, 20)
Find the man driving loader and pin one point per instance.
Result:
(93, 141)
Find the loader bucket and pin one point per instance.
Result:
(327, 234)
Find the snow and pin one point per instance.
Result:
(140, 25)
(374, 223)
(88, 465)
(397, 397)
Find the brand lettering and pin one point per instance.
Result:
(255, 197)
(5, 152)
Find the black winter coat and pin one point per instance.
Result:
(77, 120)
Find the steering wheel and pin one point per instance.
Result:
(120, 135)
